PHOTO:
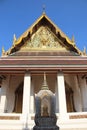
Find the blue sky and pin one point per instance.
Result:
(16, 16)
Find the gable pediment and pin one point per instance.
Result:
(43, 39)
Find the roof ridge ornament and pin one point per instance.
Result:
(73, 40)
(3, 51)
(84, 51)
(14, 39)
(44, 9)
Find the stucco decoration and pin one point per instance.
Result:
(43, 38)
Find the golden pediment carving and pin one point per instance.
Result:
(44, 38)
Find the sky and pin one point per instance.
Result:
(16, 16)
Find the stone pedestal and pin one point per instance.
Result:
(45, 123)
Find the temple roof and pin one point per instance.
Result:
(43, 36)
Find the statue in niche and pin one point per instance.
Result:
(45, 117)
(45, 107)
(45, 111)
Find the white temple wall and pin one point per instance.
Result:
(4, 93)
(14, 83)
(37, 82)
(69, 81)
(83, 87)
(72, 81)
(77, 95)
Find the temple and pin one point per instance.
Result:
(43, 48)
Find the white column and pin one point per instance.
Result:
(62, 97)
(32, 99)
(26, 96)
(4, 89)
(57, 99)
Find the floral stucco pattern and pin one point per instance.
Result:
(43, 38)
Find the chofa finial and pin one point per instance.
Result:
(73, 39)
(3, 51)
(14, 39)
(84, 51)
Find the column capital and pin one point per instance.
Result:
(60, 71)
(27, 72)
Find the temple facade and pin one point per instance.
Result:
(43, 48)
